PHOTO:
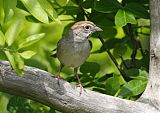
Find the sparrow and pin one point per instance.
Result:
(74, 48)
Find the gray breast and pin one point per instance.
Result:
(71, 53)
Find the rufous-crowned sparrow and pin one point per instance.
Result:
(74, 48)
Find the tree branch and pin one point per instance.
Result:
(41, 87)
(152, 92)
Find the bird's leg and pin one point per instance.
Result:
(59, 71)
(79, 82)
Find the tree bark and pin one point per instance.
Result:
(42, 87)
(152, 92)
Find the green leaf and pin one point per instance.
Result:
(123, 17)
(106, 6)
(19, 61)
(132, 73)
(2, 14)
(133, 88)
(48, 8)
(31, 40)
(2, 39)
(88, 4)
(16, 61)
(90, 67)
(120, 50)
(27, 54)
(137, 9)
(32, 19)
(4, 100)
(113, 84)
(9, 7)
(34, 7)
(143, 75)
(13, 31)
(71, 10)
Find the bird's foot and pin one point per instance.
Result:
(58, 77)
(81, 88)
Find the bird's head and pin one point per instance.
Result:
(83, 29)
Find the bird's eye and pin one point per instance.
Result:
(87, 27)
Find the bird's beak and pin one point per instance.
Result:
(97, 29)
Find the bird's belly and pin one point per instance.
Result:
(73, 55)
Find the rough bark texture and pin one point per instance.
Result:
(152, 92)
(42, 87)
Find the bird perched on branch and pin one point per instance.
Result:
(74, 48)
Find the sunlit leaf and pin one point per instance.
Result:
(13, 31)
(123, 17)
(2, 39)
(3, 103)
(27, 54)
(48, 8)
(31, 40)
(36, 10)
(19, 61)
(16, 62)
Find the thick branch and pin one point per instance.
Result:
(40, 86)
(152, 92)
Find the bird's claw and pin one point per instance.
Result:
(81, 88)
(58, 78)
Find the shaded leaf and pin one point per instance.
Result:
(113, 84)
(120, 50)
(32, 19)
(27, 54)
(132, 73)
(31, 40)
(144, 40)
(88, 4)
(137, 9)
(71, 10)
(132, 88)
(9, 7)
(2, 14)
(36, 10)
(90, 67)
(106, 6)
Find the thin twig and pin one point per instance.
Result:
(112, 57)
(123, 62)
(134, 42)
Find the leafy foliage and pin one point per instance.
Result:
(30, 30)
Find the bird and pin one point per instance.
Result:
(74, 48)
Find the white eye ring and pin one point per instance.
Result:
(87, 27)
